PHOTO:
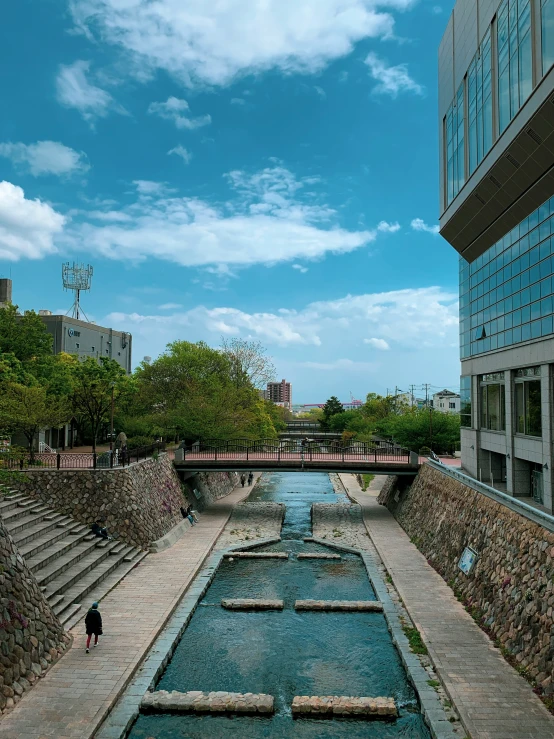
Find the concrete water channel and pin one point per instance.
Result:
(287, 653)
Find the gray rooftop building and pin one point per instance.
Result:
(496, 132)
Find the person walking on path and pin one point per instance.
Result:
(242, 480)
(93, 625)
(250, 478)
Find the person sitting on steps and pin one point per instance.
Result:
(100, 531)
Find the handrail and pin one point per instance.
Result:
(518, 506)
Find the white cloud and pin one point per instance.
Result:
(436, 9)
(180, 151)
(75, 91)
(174, 109)
(272, 217)
(347, 365)
(170, 306)
(412, 318)
(300, 268)
(320, 91)
(214, 43)
(238, 101)
(419, 225)
(392, 80)
(27, 227)
(390, 228)
(45, 157)
(380, 344)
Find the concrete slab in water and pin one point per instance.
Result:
(252, 604)
(338, 605)
(196, 701)
(257, 555)
(335, 705)
(318, 556)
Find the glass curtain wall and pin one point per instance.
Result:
(506, 294)
(454, 136)
(528, 401)
(465, 401)
(493, 402)
(547, 34)
(515, 58)
(479, 101)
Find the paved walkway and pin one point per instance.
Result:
(493, 701)
(78, 692)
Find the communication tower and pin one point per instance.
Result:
(76, 277)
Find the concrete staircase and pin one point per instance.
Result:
(72, 566)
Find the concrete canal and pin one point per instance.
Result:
(287, 653)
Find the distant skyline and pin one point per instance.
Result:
(264, 170)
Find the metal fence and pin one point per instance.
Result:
(78, 461)
(313, 452)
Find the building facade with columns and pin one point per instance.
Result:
(496, 131)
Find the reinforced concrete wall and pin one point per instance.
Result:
(139, 503)
(511, 588)
(209, 487)
(31, 637)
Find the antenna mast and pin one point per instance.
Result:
(76, 277)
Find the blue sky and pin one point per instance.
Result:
(263, 168)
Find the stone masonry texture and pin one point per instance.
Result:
(510, 590)
(343, 705)
(139, 503)
(210, 486)
(218, 701)
(31, 637)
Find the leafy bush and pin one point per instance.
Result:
(137, 441)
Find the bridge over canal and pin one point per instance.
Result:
(271, 455)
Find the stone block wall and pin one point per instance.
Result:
(511, 588)
(31, 637)
(211, 486)
(139, 503)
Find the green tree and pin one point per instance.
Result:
(93, 386)
(29, 409)
(424, 428)
(331, 408)
(25, 336)
(249, 362)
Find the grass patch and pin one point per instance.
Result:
(388, 579)
(433, 683)
(366, 480)
(414, 637)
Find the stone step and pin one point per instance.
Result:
(78, 570)
(29, 519)
(10, 502)
(120, 546)
(100, 590)
(56, 600)
(16, 514)
(50, 541)
(60, 560)
(203, 702)
(37, 529)
(86, 584)
(131, 556)
(331, 706)
(69, 612)
(308, 555)
(370, 606)
(252, 604)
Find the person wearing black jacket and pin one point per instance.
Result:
(93, 625)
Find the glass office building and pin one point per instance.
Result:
(496, 126)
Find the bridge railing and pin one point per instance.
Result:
(263, 451)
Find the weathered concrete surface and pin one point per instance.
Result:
(338, 605)
(252, 521)
(205, 488)
(257, 555)
(196, 701)
(334, 705)
(252, 604)
(31, 637)
(318, 556)
(340, 523)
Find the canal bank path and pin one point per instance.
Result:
(75, 696)
(492, 700)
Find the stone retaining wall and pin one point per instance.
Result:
(511, 588)
(139, 503)
(31, 637)
(210, 486)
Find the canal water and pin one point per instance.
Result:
(287, 653)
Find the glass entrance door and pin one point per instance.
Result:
(536, 486)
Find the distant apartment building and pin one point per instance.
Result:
(280, 393)
(496, 123)
(446, 402)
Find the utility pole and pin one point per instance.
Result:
(431, 429)
(426, 386)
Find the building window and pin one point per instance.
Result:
(465, 401)
(528, 401)
(547, 34)
(493, 402)
(479, 102)
(454, 136)
(515, 58)
(77, 346)
(452, 406)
